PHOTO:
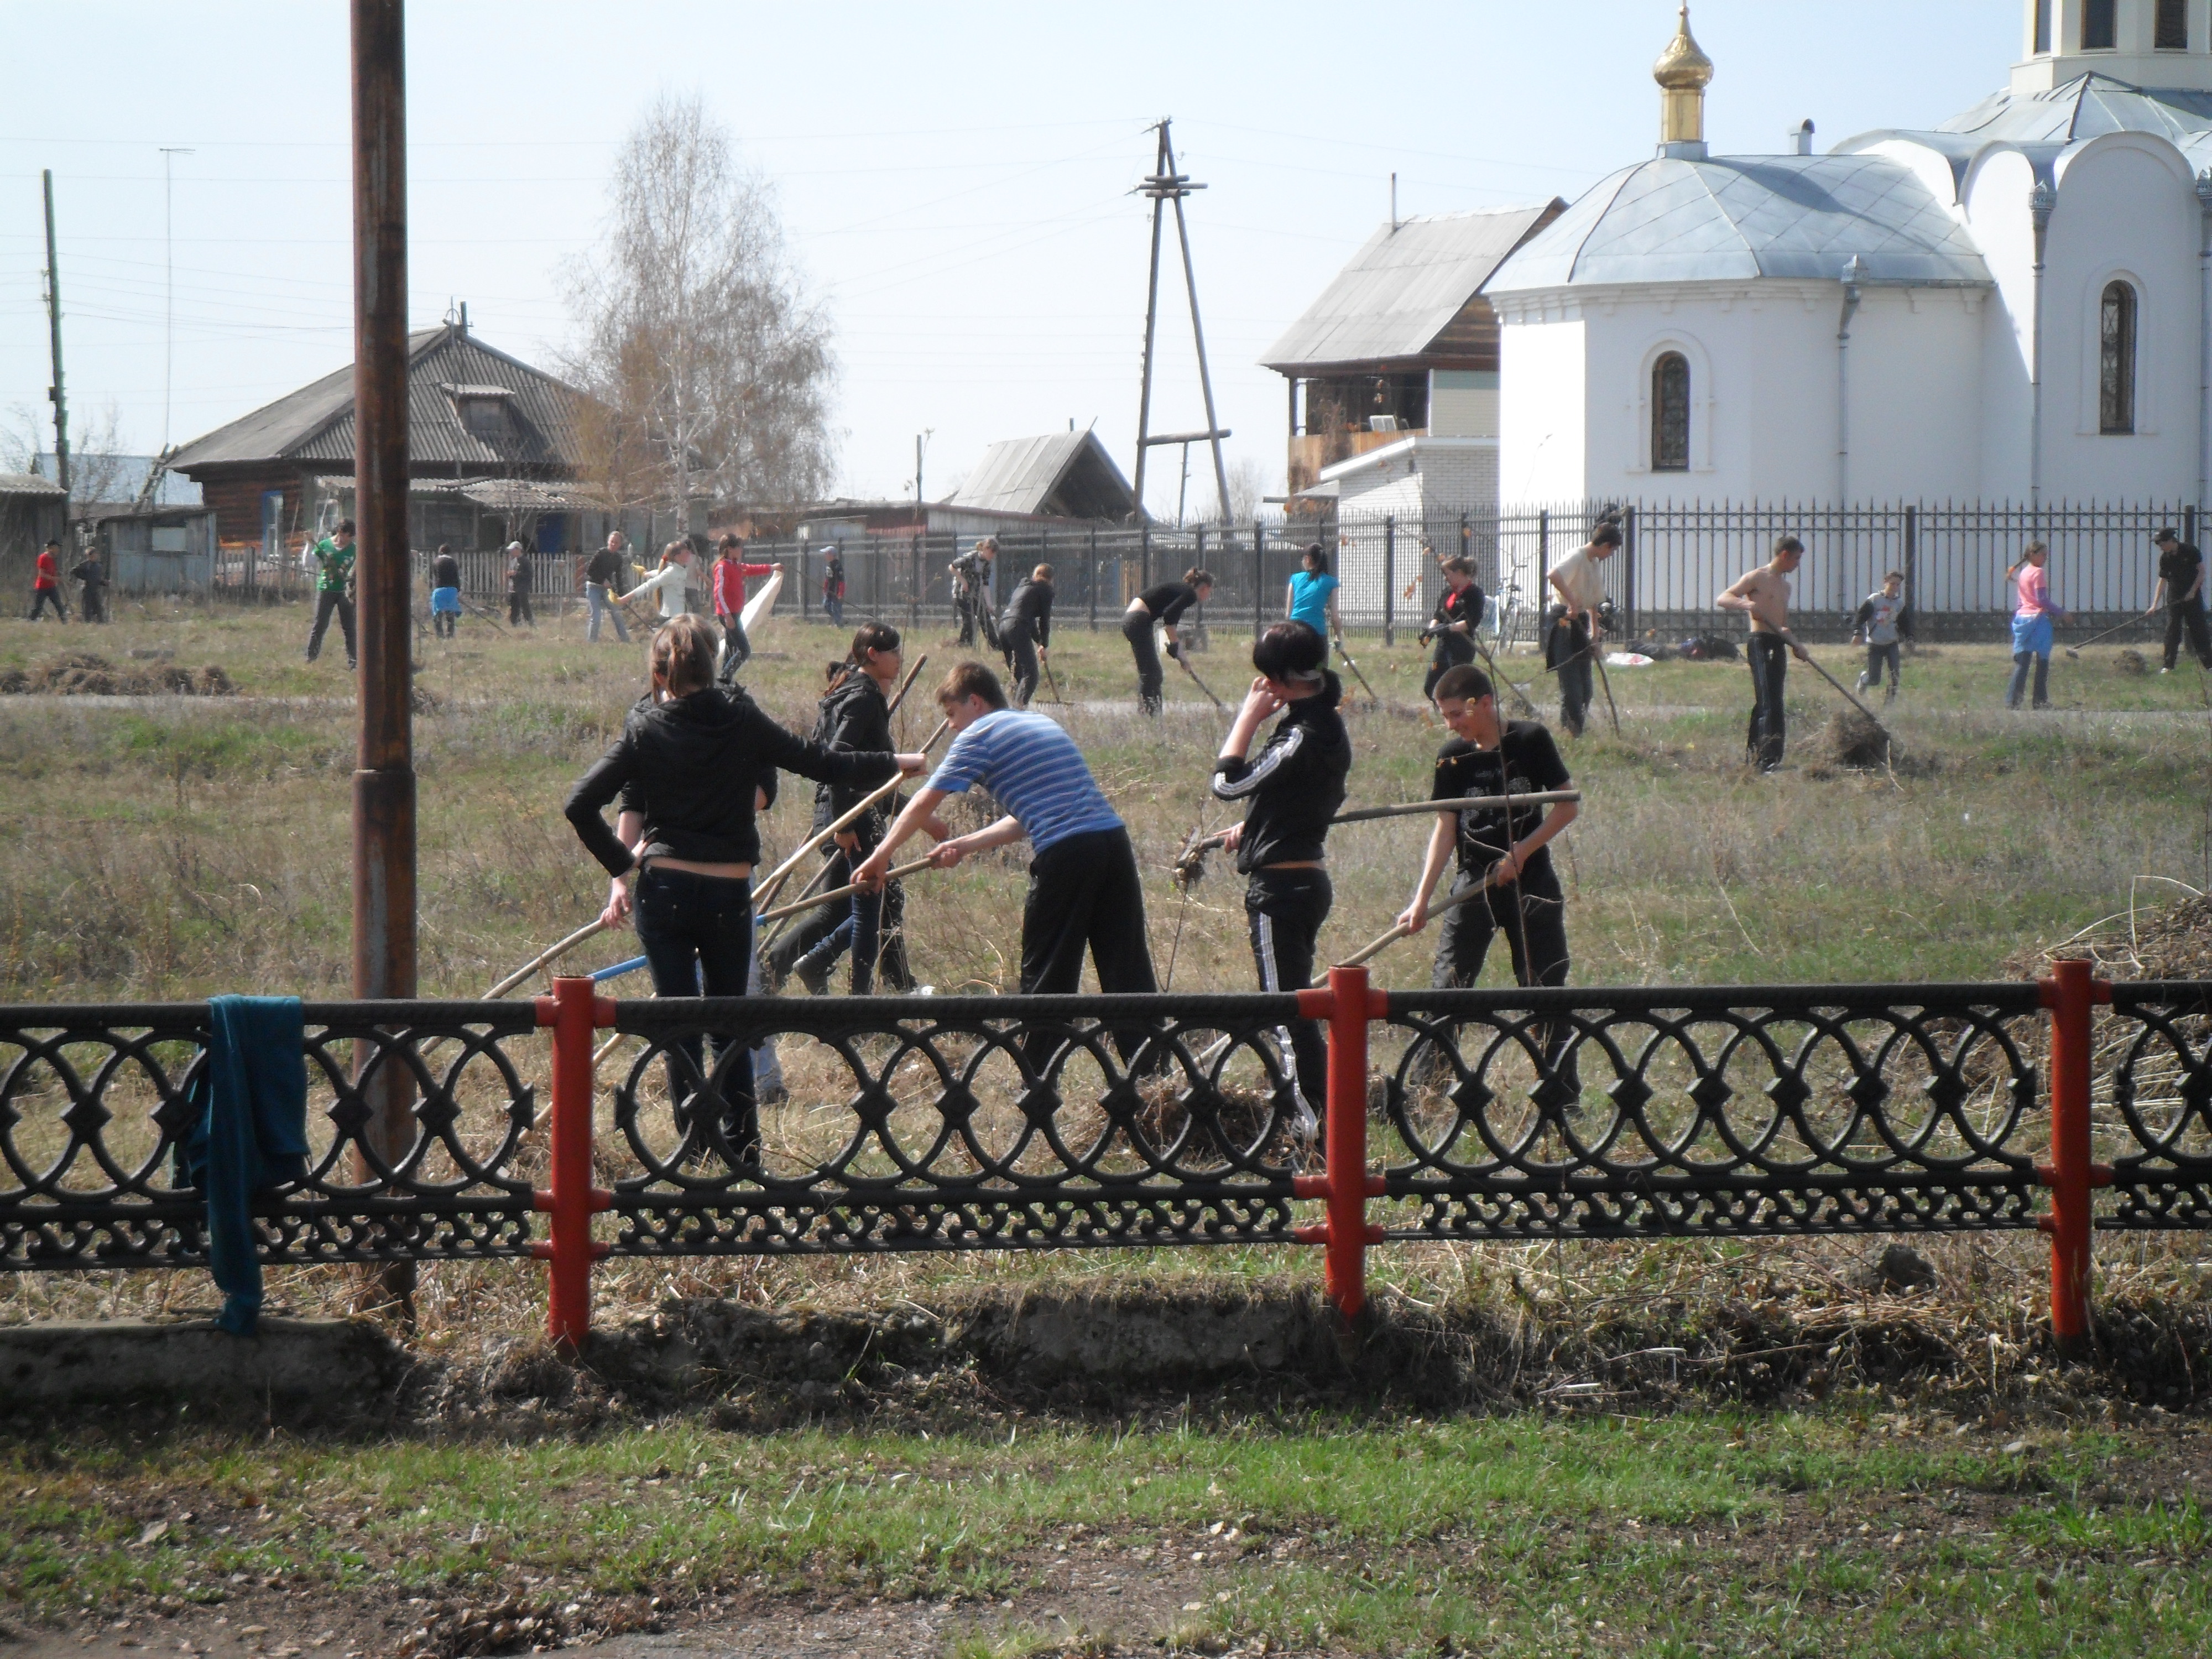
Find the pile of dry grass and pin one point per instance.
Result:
(2172, 942)
(83, 674)
(2130, 662)
(1853, 741)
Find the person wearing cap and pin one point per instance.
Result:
(728, 582)
(2181, 591)
(46, 584)
(518, 587)
(833, 584)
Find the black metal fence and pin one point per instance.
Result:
(1002, 1123)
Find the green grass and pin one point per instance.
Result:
(1847, 1533)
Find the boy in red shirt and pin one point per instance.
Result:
(46, 584)
(729, 588)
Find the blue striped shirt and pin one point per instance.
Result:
(1035, 770)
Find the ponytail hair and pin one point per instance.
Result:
(682, 656)
(1194, 577)
(871, 636)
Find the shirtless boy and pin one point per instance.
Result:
(1764, 596)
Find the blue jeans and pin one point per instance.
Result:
(595, 595)
(697, 931)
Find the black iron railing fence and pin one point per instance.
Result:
(1028, 1123)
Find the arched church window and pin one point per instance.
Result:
(2100, 25)
(2172, 27)
(1670, 413)
(2116, 360)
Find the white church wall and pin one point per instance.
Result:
(1996, 195)
(1541, 400)
(1916, 395)
(2126, 211)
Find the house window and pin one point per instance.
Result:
(2116, 360)
(485, 417)
(1670, 414)
(2042, 25)
(2173, 31)
(2100, 25)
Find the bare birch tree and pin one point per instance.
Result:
(709, 362)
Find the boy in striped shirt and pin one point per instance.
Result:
(1084, 890)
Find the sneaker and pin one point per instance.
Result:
(2165, 670)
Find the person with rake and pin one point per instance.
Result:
(1294, 786)
(1572, 640)
(1503, 850)
(1162, 607)
(854, 717)
(971, 589)
(2030, 624)
(1084, 891)
(1451, 635)
(1763, 595)
(694, 765)
(1025, 631)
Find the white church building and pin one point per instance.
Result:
(2012, 306)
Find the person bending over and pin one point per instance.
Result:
(1160, 607)
(695, 762)
(1025, 631)
(1764, 596)
(1294, 787)
(1084, 893)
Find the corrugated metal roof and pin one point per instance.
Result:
(2042, 123)
(1062, 475)
(1733, 218)
(1404, 288)
(315, 424)
(27, 483)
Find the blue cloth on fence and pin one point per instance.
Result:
(249, 1135)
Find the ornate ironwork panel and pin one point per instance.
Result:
(2151, 1070)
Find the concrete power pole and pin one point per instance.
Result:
(54, 393)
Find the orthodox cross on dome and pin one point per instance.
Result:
(1683, 73)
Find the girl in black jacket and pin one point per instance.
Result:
(694, 763)
(1162, 607)
(1295, 787)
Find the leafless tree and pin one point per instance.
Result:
(708, 362)
(97, 473)
(1247, 488)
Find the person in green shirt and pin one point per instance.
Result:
(333, 558)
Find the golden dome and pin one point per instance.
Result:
(1682, 67)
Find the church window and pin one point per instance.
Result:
(2100, 25)
(2116, 360)
(1670, 414)
(2042, 25)
(2173, 31)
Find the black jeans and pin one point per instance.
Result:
(1448, 652)
(1085, 895)
(43, 597)
(963, 606)
(2186, 615)
(1022, 653)
(737, 649)
(1567, 652)
(329, 600)
(697, 931)
(1137, 628)
(1535, 928)
(1770, 660)
(92, 607)
(1283, 910)
(518, 608)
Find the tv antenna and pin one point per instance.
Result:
(1166, 185)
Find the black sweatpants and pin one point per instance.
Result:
(92, 604)
(1085, 895)
(2186, 615)
(1283, 910)
(43, 597)
(1536, 935)
(1021, 651)
(1770, 661)
(329, 600)
(1447, 652)
(1137, 628)
(518, 608)
(1567, 653)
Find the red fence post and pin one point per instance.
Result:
(1347, 1005)
(2070, 993)
(574, 1012)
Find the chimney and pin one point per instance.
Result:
(465, 314)
(1683, 73)
(1800, 139)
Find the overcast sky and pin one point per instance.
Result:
(954, 177)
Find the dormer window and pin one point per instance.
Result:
(485, 411)
(2172, 30)
(2100, 25)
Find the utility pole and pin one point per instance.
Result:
(168, 285)
(1166, 185)
(384, 923)
(55, 394)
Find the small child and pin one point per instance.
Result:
(1875, 627)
